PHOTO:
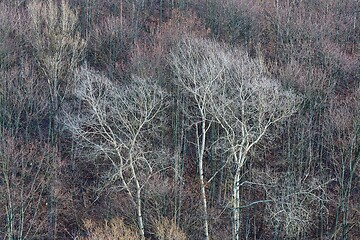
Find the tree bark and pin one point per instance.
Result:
(201, 148)
(236, 205)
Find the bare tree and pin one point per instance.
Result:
(342, 140)
(234, 90)
(196, 71)
(119, 124)
(294, 200)
(24, 177)
(247, 103)
(58, 50)
(58, 46)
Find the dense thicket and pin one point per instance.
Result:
(179, 119)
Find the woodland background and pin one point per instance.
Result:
(133, 119)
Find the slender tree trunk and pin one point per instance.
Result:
(201, 150)
(138, 201)
(220, 180)
(54, 140)
(180, 178)
(9, 207)
(139, 209)
(236, 205)
(53, 135)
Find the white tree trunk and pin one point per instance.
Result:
(138, 203)
(139, 211)
(236, 205)
(201, 149)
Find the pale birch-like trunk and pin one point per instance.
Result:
(239, 161)
(137, 185)
(236, 205)
(138, 204)
(201, 150)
